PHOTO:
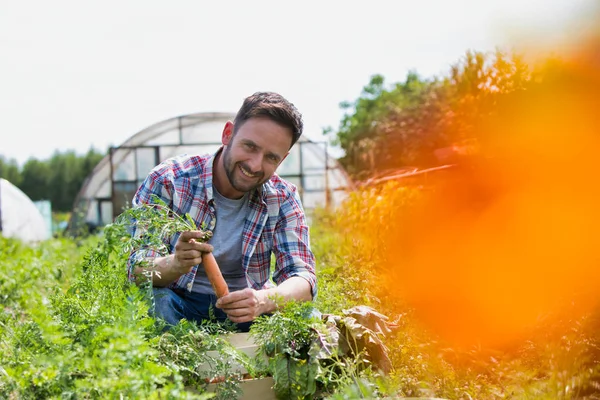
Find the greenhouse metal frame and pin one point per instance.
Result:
(109, 189)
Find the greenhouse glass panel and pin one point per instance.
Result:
(123, 161)
(291, 165)
(313, 156)
(106, 209)
(314, 182)
(145, 161)
(166, 138)
(294, 181)
(313, 199)
(122, 196)
(166, 132)
(172, 151)
(105, 189)
(92, 211)
(208, 132)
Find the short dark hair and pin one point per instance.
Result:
(273, 106)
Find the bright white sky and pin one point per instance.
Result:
(76, 74)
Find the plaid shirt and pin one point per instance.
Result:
(275, 223)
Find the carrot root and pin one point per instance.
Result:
(213, 272)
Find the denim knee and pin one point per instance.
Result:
(168, 306)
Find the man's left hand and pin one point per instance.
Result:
(242, 305)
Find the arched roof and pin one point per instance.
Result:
(112, 183)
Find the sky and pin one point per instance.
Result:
(81, 74)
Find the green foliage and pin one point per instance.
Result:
(387, 128)
(87, 333)
(72, 326)
(74, 329)
(557, 361)
(350, 250)
(286, 338)
(309, 357)
(9, 170)
(370, 119)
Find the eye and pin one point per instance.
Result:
(273, 158)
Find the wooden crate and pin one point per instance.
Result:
(243, 343)
(253, 389)
(261, 388)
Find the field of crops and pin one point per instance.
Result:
(72, 327)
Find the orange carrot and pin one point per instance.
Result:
(213, 272)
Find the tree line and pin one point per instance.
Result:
(57, 179)
(420, 121)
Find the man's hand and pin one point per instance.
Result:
(243, 305)
(188, 251)
(166, 270)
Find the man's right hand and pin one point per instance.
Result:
(188, 251)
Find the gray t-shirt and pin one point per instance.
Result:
(227, 243)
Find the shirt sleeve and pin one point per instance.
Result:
(292, 244)
(157, 185)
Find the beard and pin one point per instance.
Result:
(230, 170)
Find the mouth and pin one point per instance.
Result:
(247, 173)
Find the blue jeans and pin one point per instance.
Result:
(172, 307)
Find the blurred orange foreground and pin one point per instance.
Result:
(516, 235)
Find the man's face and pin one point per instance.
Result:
(252, 155)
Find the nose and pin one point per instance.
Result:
(255, 162)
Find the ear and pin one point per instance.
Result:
(227, 133)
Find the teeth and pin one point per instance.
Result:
(246, 173)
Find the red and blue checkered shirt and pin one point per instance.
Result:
(275, 223)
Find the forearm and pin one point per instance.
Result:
(294, 288)
(162, 270)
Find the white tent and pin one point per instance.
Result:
(19, 217)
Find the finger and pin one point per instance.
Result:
(244, 318)
(241, 304)
(183, 246)
(240, 295)
(205, 247)
(188, 235)
(238, 312)
(235, 297)
(190, 255)
(238, 305)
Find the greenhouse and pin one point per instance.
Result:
(321, 180)
(19, 216)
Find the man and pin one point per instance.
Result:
(252, 213)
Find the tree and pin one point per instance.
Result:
(35, 180)
(58, 179)
(68, 171)
(9, 170)
(361, 132)
(404, 126)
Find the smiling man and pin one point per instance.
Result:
(252, 213)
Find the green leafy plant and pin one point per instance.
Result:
(310, 357)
